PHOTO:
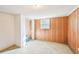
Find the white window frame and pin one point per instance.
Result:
(45, 24)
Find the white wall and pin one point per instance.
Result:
(20, 30)
(27, 26)
(17, 23)
(33, 29)
(12, 30)
(23, 30)
(7, 30)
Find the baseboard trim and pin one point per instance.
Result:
(9, 48)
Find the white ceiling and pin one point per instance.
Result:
(32, 11)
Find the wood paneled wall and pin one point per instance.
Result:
(57, 31)
(78, 30)
(62, 29)
(73, 31)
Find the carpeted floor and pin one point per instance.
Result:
(41, 47)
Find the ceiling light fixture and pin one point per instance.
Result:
(37, 6)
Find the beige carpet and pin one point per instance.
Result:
(42, 47)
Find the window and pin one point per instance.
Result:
(45, 23)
